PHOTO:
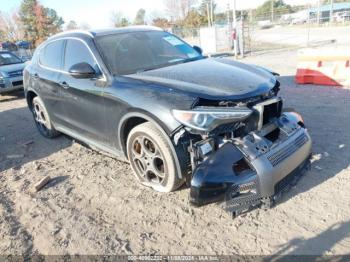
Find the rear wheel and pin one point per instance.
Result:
(42, 119)
(151, 158)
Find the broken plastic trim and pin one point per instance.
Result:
(214, 177)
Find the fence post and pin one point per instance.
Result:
(235, 27)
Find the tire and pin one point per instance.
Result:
(151, 158)
(42, 119)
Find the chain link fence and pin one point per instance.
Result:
(269, 33)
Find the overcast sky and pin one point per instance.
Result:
(97, 12)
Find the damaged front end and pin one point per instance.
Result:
(249, 162)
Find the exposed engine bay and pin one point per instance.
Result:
(246, 164)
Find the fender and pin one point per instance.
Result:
(154, 120)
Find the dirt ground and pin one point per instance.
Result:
(94, 206)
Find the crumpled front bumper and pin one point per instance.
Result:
(269, 173)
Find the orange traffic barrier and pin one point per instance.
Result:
(324, 66)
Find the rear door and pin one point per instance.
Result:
(82, 99)
(46, 78)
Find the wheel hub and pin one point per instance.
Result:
(148, 160)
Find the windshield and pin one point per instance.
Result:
(129, 53)
(8, 59)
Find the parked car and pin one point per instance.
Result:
(23, 44)
(148, 97)
(341, 16)
(8, 46)
(11, 72)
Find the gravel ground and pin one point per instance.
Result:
(94, 206)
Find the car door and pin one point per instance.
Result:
(46, 78)
(82, 99)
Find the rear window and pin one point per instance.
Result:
(51, 54)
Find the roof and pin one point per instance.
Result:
(127, 29)
(101, 32)
(336, 7)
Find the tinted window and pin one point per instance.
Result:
(51, 54)
(130, 53)
(77, 52)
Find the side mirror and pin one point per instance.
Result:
(198, 49)
(82, 70)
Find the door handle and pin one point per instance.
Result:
(64, 84)
(35, 76)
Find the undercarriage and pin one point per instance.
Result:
(249, 164)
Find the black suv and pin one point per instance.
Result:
(177, 116)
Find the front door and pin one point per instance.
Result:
(83, 100)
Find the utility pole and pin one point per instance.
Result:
(208, 14)
(318, 11)
(229, 26)
(211, 12)
(228, 15)
(272, 11)
(331, 12)
(235, 28)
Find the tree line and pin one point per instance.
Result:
(34, 22)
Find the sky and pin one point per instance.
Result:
(97, 13)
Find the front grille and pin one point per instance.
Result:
(15, 73)
(288, 150)
(17, 83)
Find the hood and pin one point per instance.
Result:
(212, 78)
(5, 69)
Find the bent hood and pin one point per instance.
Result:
(212, 77)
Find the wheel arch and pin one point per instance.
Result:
(132, 119)
(30, 94)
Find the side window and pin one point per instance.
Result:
(77, 52)
(51, 54)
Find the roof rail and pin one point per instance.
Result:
(72, 32)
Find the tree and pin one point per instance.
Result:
(53, 22)
(119, 20)
(205, 9)
(193, 19)
(161, 22)
(178, 9)
(279, 7)
(11, 27)
(140, 17)
(38, 21)
(72, 25)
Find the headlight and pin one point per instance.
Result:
(208, 118)
(1, 78)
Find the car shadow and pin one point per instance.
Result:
(20, 142)
(326, 114)
(319, 244)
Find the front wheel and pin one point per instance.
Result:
(151, 158)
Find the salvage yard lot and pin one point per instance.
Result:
(94, 205)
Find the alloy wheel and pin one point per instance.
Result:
(148, 160)
(40, 117)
